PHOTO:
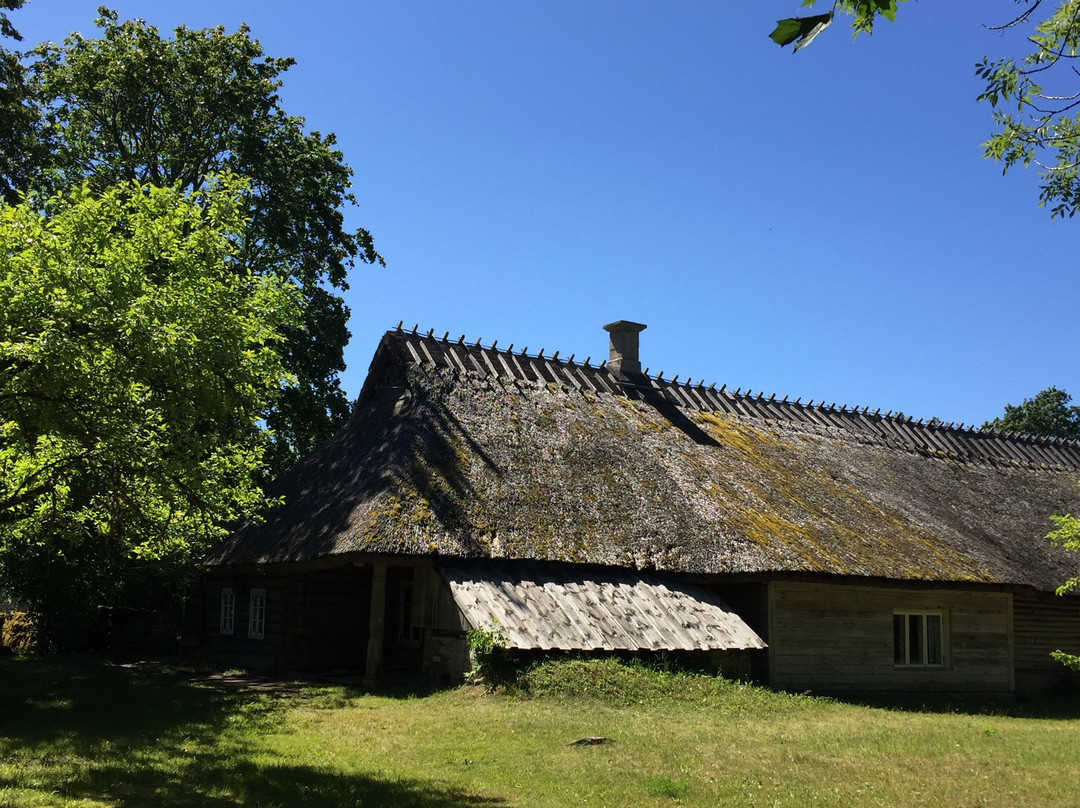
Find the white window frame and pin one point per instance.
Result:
(227, 617)
(257, 614)
(929, 648)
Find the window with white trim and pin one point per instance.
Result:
(919, 639)
(257, 614)
(227, 620)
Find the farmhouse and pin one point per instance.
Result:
(580, 505)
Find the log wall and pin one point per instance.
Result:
(1045, 623)
(314, 620)
(238, 649)
(839, 638)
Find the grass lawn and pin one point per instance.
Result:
(78, 732)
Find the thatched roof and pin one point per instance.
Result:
(463, 451)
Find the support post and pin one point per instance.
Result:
(376, 622)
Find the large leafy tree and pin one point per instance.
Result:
(1047, 414)
(137, 356)
(133, 105)
(20, 146)
(1034, 97)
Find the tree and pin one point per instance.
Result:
(134, 106)
(137, 357)
(1067, 535)
(20, 146)
(1047, 414)
(1034, 100)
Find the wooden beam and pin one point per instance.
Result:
(376, 622)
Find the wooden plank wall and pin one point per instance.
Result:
(238, 650)
(315, 620)
(330, 629)
(839, 638)
(1044, 623)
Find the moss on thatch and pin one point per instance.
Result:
(439, 461)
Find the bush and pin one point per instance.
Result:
(19, 633)
(493, 664)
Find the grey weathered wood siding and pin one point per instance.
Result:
(313, 620)
(239, 649)
(1044, 623)
(839, 637)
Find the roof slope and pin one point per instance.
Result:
(613, 610)
(462, 451)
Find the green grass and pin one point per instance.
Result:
(77, 732)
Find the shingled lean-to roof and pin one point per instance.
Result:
(462, 451)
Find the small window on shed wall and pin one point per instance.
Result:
(257, 614)
(227, 620)
(919, 639)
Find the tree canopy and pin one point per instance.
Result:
(20, 147)
(137, 357)
(1034, 97)
(133, 105)
(1047, 414)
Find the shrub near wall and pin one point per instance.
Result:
(18, 632)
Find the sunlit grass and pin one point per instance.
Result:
(81, 733)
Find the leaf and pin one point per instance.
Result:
(887, 9)
(800, 30)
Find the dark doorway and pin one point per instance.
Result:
(401, 642)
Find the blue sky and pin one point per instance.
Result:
(819, 225)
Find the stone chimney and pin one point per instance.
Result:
(623, 346)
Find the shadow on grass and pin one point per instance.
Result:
(1055, 707)
(220, 783)
(82, 729)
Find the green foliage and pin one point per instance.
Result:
(492, 662)
(802, 30)
(1067, 535)
(133, 105)
(483, 641)
(137, 359)
(6, 28)
(617, 682)
(1070, 661)
(20, 144)
(1033, 97)
(1034, 105)
(1048, 414)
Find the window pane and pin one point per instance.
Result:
(256, 613)
(899, 639)
(915, 639)
(933, 639)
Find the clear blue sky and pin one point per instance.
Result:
(819, 225)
